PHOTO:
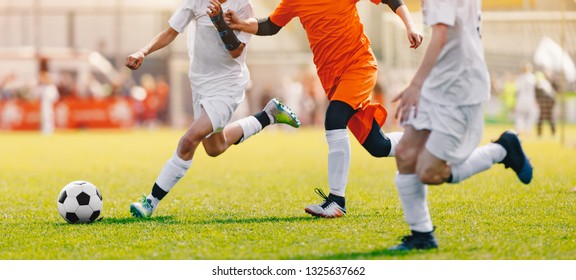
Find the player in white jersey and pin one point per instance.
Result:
(219, 76)
(441, 111)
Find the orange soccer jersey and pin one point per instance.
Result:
(344, 61)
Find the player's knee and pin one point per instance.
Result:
(405, 153)
(377, 150)
(189, 142)
(376, 143)
(338, 114)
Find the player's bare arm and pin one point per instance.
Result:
(231, 42)
(398, 7)
(260, 27)
(411, 95)
(414, 36)
(163, 39)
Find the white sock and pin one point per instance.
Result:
(482, 158)
(338, 160)
(250, 126)
(413, 196)
(394, 139)
(174, 169)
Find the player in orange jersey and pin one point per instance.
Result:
(347, 69)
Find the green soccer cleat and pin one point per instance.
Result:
(142, 209)
(281, 113)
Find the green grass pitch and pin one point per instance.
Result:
(249, 202)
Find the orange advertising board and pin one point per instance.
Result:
(72, 113)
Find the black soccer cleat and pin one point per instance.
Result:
(416, 241)
(515, 157)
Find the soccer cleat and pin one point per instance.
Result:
(515, 157)
(142, 209)
(416, 241)
(328, 209)
(281, 113)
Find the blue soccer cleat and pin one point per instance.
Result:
(515, 157)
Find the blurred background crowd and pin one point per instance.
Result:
(63, 59)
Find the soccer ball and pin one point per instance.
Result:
(79, 202)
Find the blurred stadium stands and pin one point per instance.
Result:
(512, 30)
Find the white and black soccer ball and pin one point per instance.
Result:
(80, 202)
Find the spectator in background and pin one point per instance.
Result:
(162, 92)
(48, 96)
(151, 102)
(314, 99)
(293, 94)
(526, 110)
(546, 98)
(5, 91)
(66, 85)
(508, 96)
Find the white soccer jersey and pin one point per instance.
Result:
(460, 76)
(212, 70)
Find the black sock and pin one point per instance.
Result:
(157, 192)
(263, 118)
(423, 234)
(340, 200)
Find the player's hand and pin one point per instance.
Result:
(134, 61)
(409, 99)
(415, 39)
(232, 19)
(214, 9)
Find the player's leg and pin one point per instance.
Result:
(275, 112)
(507, 150)
(549, 111)
(175, 168)
(334, 205)
(540, 121)
(438, 135)
(412, 192)
(211, 114)
(346, 98)
(380, 144)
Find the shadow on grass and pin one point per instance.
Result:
(253, 220)
(125, 220)
(132, 220)
(173, 220)
(375, 254)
